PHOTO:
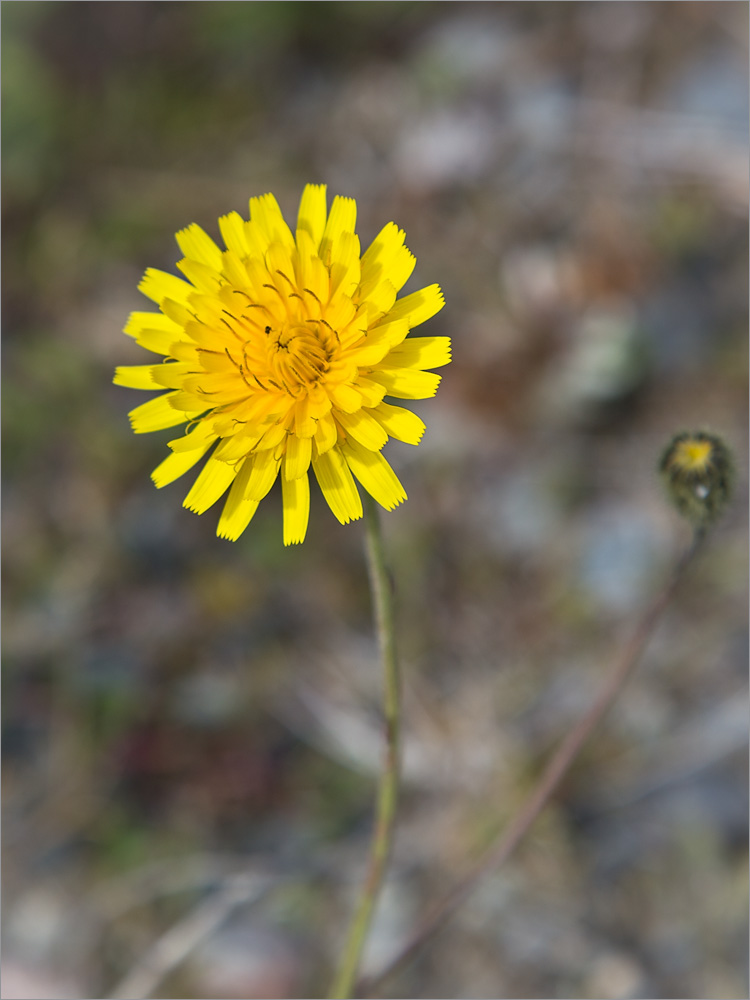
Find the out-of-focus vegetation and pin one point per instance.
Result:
(179, 709)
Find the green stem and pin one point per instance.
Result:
(380, 848)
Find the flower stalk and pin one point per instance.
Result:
(382, 839)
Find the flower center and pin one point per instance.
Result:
(296, 355)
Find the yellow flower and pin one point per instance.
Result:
(279, 351)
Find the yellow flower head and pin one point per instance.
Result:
(279, 352)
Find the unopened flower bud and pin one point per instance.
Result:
(698, 473)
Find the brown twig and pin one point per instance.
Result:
(551, 777)
(174, 946)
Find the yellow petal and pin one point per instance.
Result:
(206, 279)
(345, 266)
(371, 392)
(364, 428)
(281, 268)
(340, 313)
(172, 374)
(215, 360)
(337, 485)
(195, 438)
(297, 457)
(264, 406)
(373, 347)
(178, 463)
(139, 321)
(419, 306)
(238, 446)
(342, 219)
(238, 510)
(400, 268)
(177, 311)
(345, 398)
(136, 376)
(381, 251)
(198, 245)
(263, 475)
(232, 228)
(257, 239)
(188, 403)
(296, 500)
(233, 269)
(403, 383)
(309, 409)
(400, 423)
(275, 434)
(318, 401)
(213, 481)
(217, 387)
(421, 352)
(153, 331)
(375, 474)
(387, 257)
(326, 433)
(266, 214)
(305, 250)
(157, 414)
(158, 285)
(316, 286)
(210, 336)
(379, 302)
(183, 350)
(312, 213)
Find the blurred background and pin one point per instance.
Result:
(191, 726)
